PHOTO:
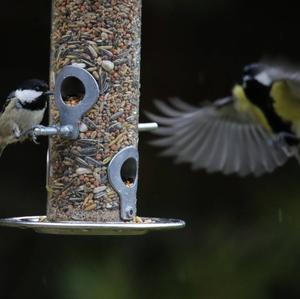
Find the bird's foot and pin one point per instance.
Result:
(16, 131)
(287, 139)
(287, 142)
(32, 134)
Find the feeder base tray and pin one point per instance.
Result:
(40, 225)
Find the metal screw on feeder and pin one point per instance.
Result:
(93, 157)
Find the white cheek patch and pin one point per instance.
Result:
(263, 78)
(27, 95)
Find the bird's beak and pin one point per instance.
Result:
(49, 93)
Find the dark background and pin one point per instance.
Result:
(242, 238)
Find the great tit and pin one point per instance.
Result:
(23, 109)
(253, 131)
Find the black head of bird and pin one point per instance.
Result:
(24, 109)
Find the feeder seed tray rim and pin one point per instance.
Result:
(39, 225)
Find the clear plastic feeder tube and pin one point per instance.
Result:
(103, 37)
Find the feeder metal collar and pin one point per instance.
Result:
(127, 192)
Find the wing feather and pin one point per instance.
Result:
(216, 138)
(181, 105)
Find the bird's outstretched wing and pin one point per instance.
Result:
(217, 137)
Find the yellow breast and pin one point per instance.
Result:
(286, 102)
(243, 105)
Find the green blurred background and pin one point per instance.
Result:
(242, 239)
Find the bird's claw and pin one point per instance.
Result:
(16, 131)
(287, 138)
(34, 138)
(32, 134)
(285, 141)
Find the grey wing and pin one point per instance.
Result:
(216, 138)
(280, 70)
(283, 71)
(10, 101)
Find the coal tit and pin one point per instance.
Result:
(23, 110)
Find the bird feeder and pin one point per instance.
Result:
(93, 154)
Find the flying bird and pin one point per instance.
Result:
(254, 130)
(23, 110)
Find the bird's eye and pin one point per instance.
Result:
(37, 88)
